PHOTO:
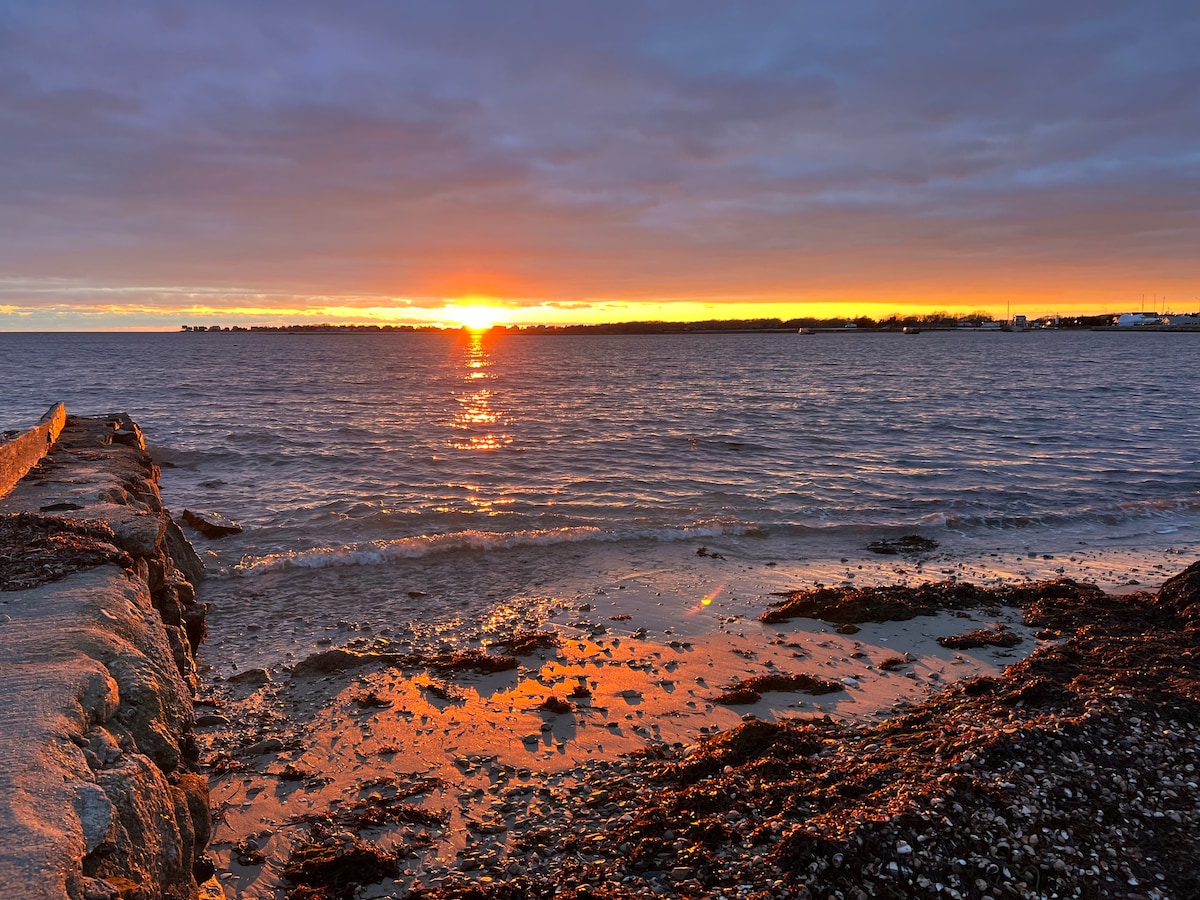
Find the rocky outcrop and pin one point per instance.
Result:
(100, 795)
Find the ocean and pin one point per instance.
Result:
(423, 487)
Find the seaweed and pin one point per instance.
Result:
(465, 660)
(334, 872)
(998, 636)
(750, 690)
(525, 642)
(36, 550)
(556, 704)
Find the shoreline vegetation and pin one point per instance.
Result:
(860, 324)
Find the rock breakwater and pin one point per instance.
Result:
(100, 794)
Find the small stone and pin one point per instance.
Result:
(262, 748)
(211, 525)
(250, 676)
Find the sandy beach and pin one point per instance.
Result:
(463, 782)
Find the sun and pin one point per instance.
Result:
(474, 315)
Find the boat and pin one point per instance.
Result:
(806, 331)
(911, 329)
(1016, 323)
(1137, 320)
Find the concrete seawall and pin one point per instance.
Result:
(100, 793)
(23, 452)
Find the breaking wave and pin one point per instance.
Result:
(381, 552)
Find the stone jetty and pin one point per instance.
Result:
(100, 791)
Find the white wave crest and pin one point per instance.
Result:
(376, 553)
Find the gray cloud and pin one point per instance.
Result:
(577, 149)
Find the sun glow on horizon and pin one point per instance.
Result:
(475, 314)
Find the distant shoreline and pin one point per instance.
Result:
(661, 328)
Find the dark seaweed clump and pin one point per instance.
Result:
(982, 637)
(750, 690)
(888, 603)
(525, 642)
(324, 870)
(37, 550)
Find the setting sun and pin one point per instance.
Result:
(475, 315)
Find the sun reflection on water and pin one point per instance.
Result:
(478, 425)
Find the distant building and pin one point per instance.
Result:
(1137, 320)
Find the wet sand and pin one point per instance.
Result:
(466, 781)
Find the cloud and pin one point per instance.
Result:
(629, 150)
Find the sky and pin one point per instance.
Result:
(270, 162)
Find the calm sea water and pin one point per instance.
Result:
(417, 484)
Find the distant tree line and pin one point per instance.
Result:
(894, 322)
(323, 328)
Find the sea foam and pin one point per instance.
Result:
(381, 552)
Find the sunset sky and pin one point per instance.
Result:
(177, 163)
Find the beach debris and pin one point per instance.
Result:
(222, 763)
(996, 636)
(37, 550)
(471, 659)
(211, 524)
(443, 691)
(895, 663)
(887, 603)
(556, 704)
(1181, 595)
(372, 700)
(522, 643)
(334, 869)
(372, 812)
(909, 545)
(247, 853)
(293, 772)
(337, 659)
(750, 690)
